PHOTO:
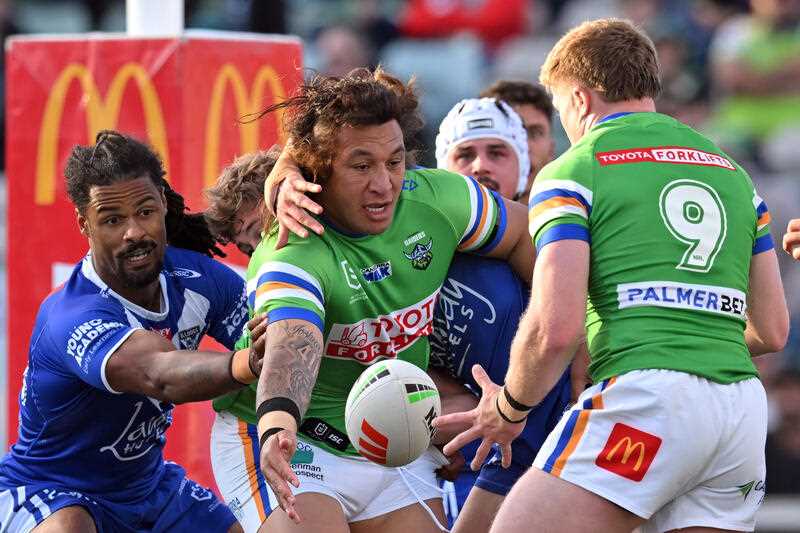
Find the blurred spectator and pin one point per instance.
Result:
(783, 443)
(340, 49)
(492, 20)
(756, 72)
(535, 108)
(681, 84)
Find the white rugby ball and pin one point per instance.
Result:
(389, 412)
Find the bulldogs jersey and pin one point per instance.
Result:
(75, 430)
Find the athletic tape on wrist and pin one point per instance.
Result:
(241, 373)
(230, 369)
(502, 414)
(267, 434)
(279, 404)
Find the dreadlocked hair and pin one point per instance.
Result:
(324, 105)
(117, 157)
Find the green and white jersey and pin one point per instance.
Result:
(372, 296)
(672, 223)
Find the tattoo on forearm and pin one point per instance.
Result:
(290, 370)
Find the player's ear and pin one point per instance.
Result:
(163, 199)
(83, 225)
(583, 100)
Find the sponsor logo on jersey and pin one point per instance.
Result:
(417, 251)
(376, 273)
(664, 154)
(758, 488)
(234, 322)
(144, 430)
(710, 298)
(318, 429)
(184, 273)
(409, 185)
(350, 276)
(372, 444)
(304, 454)
(164, 332)
(460, 307)
(84, 334)
(383, 336)
(628, 452)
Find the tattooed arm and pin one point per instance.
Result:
(291, 363)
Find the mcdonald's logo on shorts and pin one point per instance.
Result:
(628, 452)
(102, 112)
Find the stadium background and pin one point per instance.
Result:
(458, 47)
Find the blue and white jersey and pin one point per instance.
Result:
(75, 430)
(476, 318)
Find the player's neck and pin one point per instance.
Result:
(148, 297)
(607, 109)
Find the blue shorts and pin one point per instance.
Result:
(177, 505)
(541, 421)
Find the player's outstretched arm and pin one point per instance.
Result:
(147, 363)
(552, 327)
(516, 246)
(767, 314)
(284, 392)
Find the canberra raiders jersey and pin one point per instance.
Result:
(75, 431)
(672, 223)
(372, 296)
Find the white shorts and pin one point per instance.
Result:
(364, 489)
(670, 447)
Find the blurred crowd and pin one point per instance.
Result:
(731, 69)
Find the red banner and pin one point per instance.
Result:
(184, 96)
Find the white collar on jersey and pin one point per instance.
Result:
(87, 269)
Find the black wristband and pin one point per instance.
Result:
(279, 404)
(230, 369)
(503, 416)
(267, 434)
(519, 406)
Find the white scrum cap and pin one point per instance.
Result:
(484, 118)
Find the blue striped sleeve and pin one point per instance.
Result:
(763, 244)
(500, 226)
(563, 232)
(296, 313)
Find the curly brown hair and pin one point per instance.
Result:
(240, 184)
(324, 105)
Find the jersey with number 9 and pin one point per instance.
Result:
(672, 223)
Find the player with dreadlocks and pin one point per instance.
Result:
(114, 348)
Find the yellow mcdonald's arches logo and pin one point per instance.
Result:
(630, 447)
(246, 102)
(101, 113)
